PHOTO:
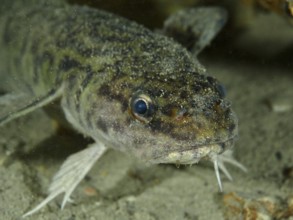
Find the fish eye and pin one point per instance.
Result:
(142, 107)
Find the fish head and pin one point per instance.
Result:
(181, 121)
(161, 106)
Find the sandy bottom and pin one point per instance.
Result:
(259, 82)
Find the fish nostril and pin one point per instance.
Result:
(222, 107)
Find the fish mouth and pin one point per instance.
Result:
(195, 153)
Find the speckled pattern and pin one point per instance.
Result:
(127, 191)
(102, 62)
(100, 65)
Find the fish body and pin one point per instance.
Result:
(119, 83)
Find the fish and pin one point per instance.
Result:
(126, 87)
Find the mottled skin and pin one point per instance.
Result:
(99, 64)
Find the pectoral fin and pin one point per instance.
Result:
(194, 28)
(70, 174)
(21, 106)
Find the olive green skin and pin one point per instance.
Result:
(103, 64)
